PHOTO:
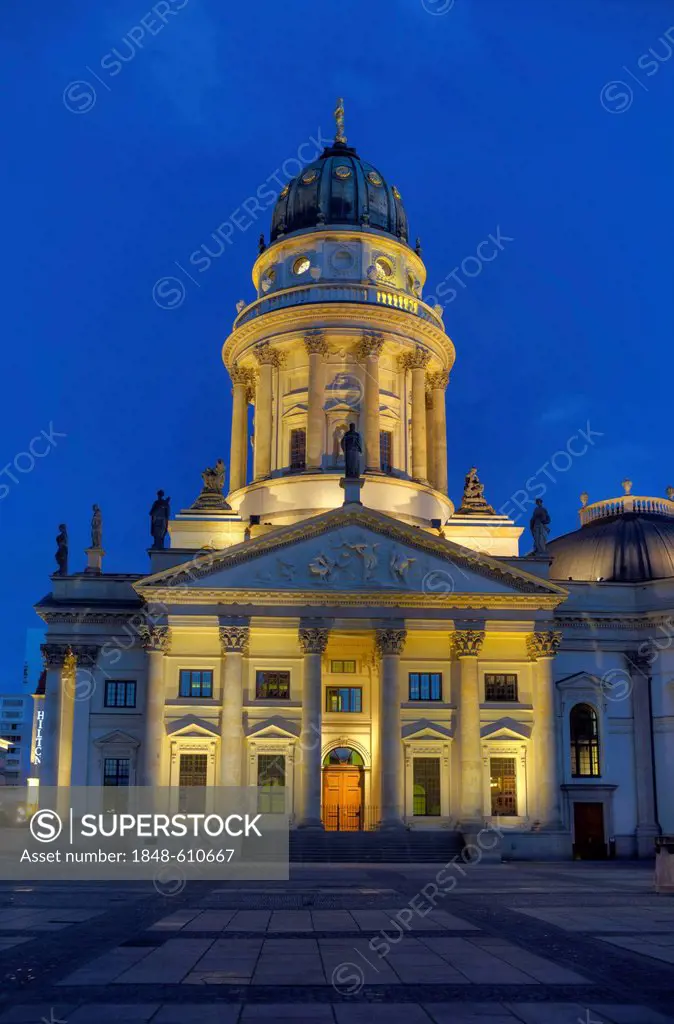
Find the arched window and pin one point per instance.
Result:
(584, 728)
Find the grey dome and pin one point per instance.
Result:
(632, 547)
(339, 189)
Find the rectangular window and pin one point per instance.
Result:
(500, 686)
(426, 786)
(196, 682)
(272, 685)
(12, 703)
(120, 693)
(503, 782)
(193, 769)
(271, 780)
(298, 448)
(342, 666)
(425, 685)
(385, 450)
(116, 771)
(344, 698)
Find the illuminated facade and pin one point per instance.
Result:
(378, 662)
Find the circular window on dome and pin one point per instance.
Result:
(284, 191)
(396, 193)
(301, 265)
(309, 176)
(342, 171)
(383, 268)
(342, 260)
(374, 179)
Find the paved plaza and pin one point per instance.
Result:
(535, 944)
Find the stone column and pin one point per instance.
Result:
(416, 362)
(369, 351)
(429, 436)
(317, 348)
(77, 687)
(639, 666)
(390, 645)
(467, 644)
(234, 642)
(313, 641)
(437, 383)
(239, 444)
(542, 648)
(157, 642)
(54, 658)
(267, 359)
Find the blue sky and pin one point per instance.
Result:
(546, 124)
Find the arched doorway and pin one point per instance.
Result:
(343, 790)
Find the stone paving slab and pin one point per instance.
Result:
(138, 1013)
(610, 919)
(33, 1013)
(658, 947)
(193, 1013)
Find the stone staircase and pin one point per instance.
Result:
(309, 846)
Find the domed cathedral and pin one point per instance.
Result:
(330, 629)
(339, 334)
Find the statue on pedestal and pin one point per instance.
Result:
(539, 526)
(214, 479)
(97, 528)
(474, 501)
(352, 447)
(211, 498)
(62, 550)
(160, 513)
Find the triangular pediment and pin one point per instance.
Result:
(275, 727)
(505, 729)
(352, 549)
(192, 725)
(117, 736)
(425, 730)
(582, 681)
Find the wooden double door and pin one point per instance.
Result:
(342, 799)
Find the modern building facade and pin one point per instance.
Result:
(363, 651)
(16, 729)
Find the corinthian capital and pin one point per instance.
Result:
(438, 380)
(390, 641)
(467, 643)
(240, 375)
(84, 654)
(155, 638)
(543, 645)
(313, 639)
(54, 655)
(416, 360)
(315, 343)
(266, 355)
(371, 344)
(234, 639)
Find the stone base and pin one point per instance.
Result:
(645, 842)
(352, 487)
(311, 823)
(543, 845)
(94, 560)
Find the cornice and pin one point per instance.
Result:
(360, 316)
(89, 617)
(590, 623)
(349, 599)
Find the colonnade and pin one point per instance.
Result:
(62, 662)
(428, 459)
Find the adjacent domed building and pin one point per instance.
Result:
(368, 654)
